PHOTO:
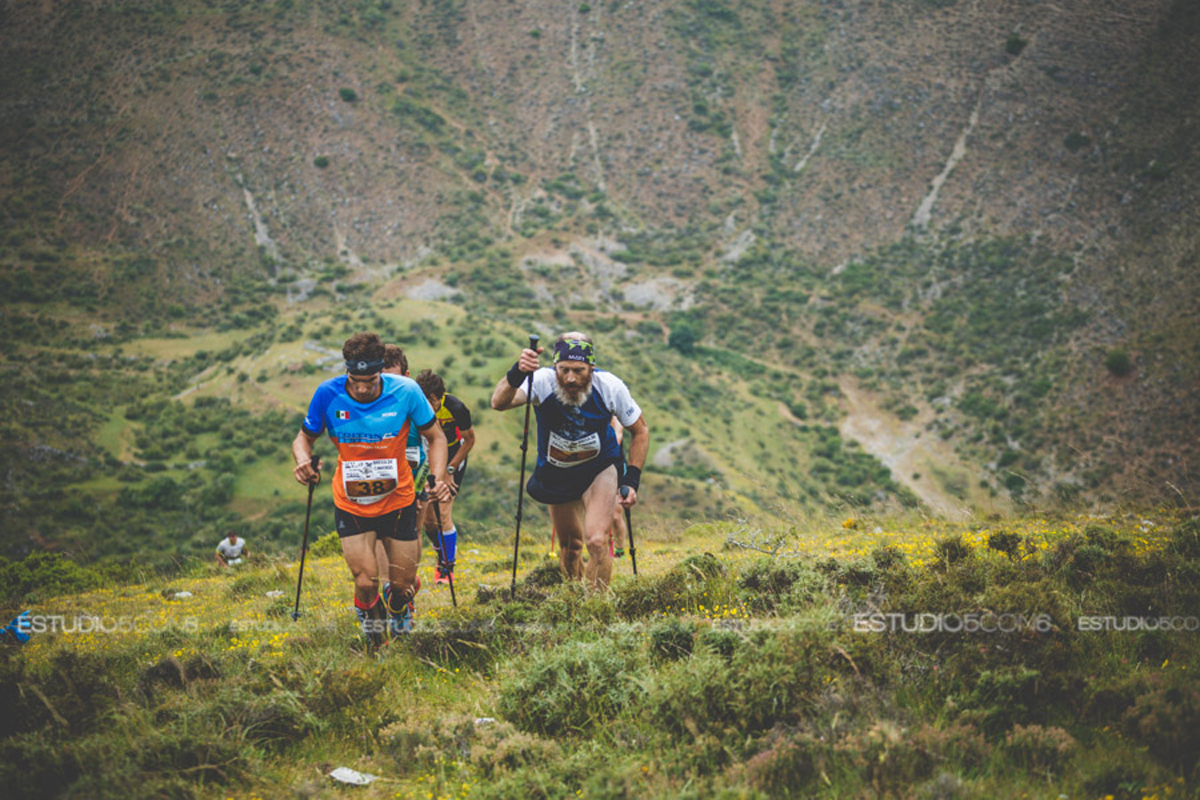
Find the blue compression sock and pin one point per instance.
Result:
(450, 537)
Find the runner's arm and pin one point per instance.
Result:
(467, 439)
(506, 395)
(444, 487)
(302, 453)
(466, 433)
(639, 448)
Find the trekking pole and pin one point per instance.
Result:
(629, 530)
(437, 515)
(316, 465)
(512, 592)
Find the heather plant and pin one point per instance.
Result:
(671, 639)
(1041, 749)
(769, 584)
(1167, 720)
(571, 688)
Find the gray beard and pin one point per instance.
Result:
(561, 395)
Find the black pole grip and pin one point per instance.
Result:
(533, 341)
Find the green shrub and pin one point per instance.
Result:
(1118, 362)
(771, 679)
(1167, 720)
(769, 583)
(272, 721)
(348, 95)
(328, 545)
(888, 557)
(722, 641)
(683, 338)
(544, 575)
(43, 574)
(951, 550)
(1039, 749)
(694, 580)
(672, 639)
(1185, 538)
(321, 162)
(786, 765)
(571, 688)
(1005, 542)
(573, 604)
(1006, 697)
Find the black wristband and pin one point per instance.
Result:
(632, 477)
(515, 376)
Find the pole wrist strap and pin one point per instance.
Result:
(632, 477)
(515, 376)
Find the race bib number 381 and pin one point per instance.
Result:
(370, 481)
(564, 452)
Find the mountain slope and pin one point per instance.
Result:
(971, 222)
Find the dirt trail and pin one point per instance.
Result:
(906, 449)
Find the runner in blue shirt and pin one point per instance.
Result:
(579, 460)
(368, 415)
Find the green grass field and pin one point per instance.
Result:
(721, 670)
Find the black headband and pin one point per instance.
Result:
(364, 367)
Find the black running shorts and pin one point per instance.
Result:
(554, 486)
(400, 524)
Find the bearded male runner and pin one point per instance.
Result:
(578, 457)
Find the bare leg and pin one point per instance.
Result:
(359, 552)
(381, 563)
(598, 502)
(403, 558)
(618, 527)
(567, 520)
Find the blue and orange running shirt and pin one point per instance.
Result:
(372, 476)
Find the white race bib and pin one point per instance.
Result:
(564, 452)
(369, 481)
(413, 456)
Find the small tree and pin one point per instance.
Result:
(1118, 363)
(349, 95)
(683, 339)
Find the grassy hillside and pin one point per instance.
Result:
(744, 661)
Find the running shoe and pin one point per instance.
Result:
(442, 575)
(371, 622)
(400, 622)
(619, 552)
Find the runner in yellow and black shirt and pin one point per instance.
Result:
(455, 419)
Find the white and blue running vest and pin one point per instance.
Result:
(574, 436)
